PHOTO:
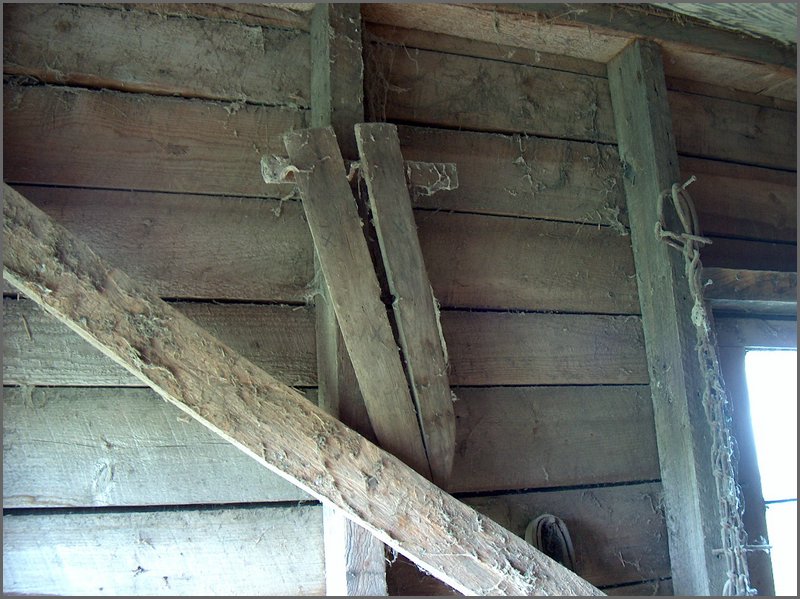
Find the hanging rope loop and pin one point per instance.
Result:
(715, 401)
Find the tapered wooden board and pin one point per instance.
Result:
(39, 350)
(192, 246)
(432, 88)
(90, 46)
(137, 141)
(485, 348)
(270, 422)
(596, 518)
(477, 261)
(82, 447)
(414, 306)
(520, 175)
(261, 551)
(355, 294)
(533, 437)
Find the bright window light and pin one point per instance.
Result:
(772, 387)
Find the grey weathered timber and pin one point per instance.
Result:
(250, 551)
(751, 291)
(270, 422)
(337, 93)
(354, 557)
(355, 562)
(416, 314)
(354, 293)
(650, 166)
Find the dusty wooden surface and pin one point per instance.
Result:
(355, 294)
(355, 565)
(485, 348)
(531, 176)
(738, 331)
(743, 201)
(599, 517)
(72, 447)
(251, 409)
(414, 306)
(744, 254)
(647, 149)
(89, 46)
(432, 88)
(477, 261)
(192, 246)
(256, 551)
(753, 291)
(39, 350)
(727, 130)
(170, 144)
(538, 437)
(599, 34)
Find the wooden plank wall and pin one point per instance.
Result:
(541, 196)
(531, 253)
(142, 134)
(154, 161)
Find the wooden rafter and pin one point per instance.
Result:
(269, 421)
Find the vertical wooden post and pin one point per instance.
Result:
(354, 559)
(650, 166)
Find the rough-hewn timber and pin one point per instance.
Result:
(269, 421)
(647, 149)
(415, 310)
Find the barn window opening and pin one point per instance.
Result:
(772, 388)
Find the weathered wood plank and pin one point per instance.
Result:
(134, 51)
(744, 254)
(753, 291)
(39, 350)
(354, 292)
(647, 148)
(440, 42)
(733, 331)
(521, 176)
(743, 201)
(418, 86)
(70, 447)
(657, 587)
(354, 559)
(600, 33)
(270, 422)
(726, 130)
(529, 437)
(544, 349)
(555, 266)
(278, 14)
(187, 552)
(414, 306)
(139, 142)
(485, 348)
(608, 549)
(192, 246)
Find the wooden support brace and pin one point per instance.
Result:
(414, 306)
(650, 167)
(355, 294)
(267, 420)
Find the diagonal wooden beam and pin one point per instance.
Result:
(416, 314)
(355, 294)
(267, 420)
